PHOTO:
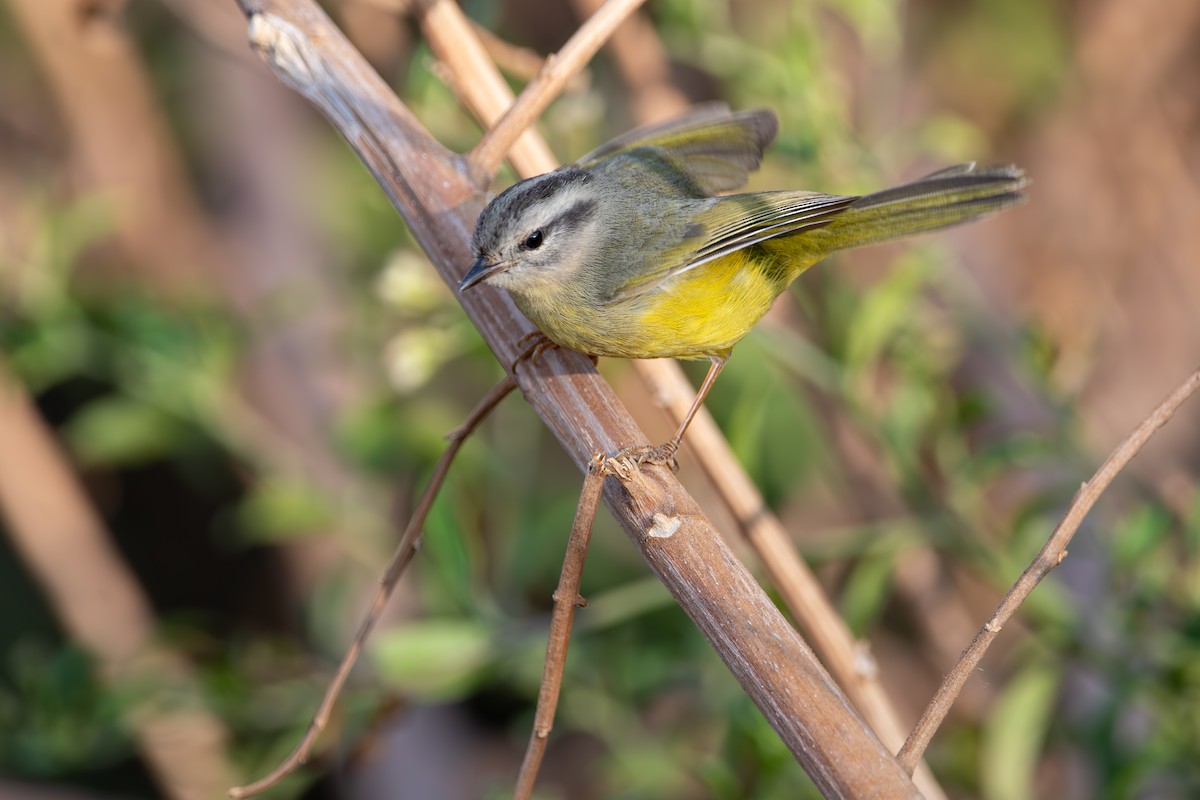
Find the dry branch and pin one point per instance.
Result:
(555, 74)
(1049, 557)
(447, 30)
(406, 549)
(440, 202)
(566, 600)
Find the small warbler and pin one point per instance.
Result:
(631, 252)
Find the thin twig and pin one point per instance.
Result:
(452, 37)
(1049, 557)
(405, 551)
(566, 600)
(486, 156)
(522, 63)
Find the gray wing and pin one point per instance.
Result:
(733, 223)
(713, 146)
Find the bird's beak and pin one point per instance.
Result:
(480, 272)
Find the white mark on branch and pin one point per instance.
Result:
(283, 47)
(664, 526)
(865, 665)
(291, 55)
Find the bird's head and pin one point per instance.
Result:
(537, 231)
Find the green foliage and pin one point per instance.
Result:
(435, 659)
(1014, 734)
(873, 409)
(116, 431)
(281, 508)
(54, 718)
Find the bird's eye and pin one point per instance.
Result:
(533, 241)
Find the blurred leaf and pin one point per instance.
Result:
(59, 719)
(436, 659)
(771, 426)
(622, 604)
(117, 431)
(1015, 731)
(445, 551)
(384, 438)
(64, 233)
(866, 592)
(1138, 533)
(887, 307)
(280, 508)
(42, 355)
(953, 138)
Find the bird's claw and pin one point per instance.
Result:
(630, 460)
(534, 345)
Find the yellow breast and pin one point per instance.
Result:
(702, 312)
(706, 310)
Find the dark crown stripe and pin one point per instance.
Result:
(536, 190)
(576, 216)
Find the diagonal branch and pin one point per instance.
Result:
(558, 70)
(1049, 557)
(448, 30)
(439, 201)
(406, 549)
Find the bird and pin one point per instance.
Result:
(636, 250)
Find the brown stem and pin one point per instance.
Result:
(403, 556)
(566, 600)
(451, 36)
(559, 68)
(1049, 557)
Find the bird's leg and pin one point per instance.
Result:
(664, 454)
(535, 344)
(714, 369)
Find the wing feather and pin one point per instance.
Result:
(713, 146)
(736, 222)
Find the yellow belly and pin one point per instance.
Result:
(702, 312)
(707, 310)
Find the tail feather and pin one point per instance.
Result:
(949, 197)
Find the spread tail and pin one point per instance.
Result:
(949, 197)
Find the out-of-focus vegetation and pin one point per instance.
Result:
(918, 415)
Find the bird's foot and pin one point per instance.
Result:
(630, 460)
(534, 345)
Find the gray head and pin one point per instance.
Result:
(535, 231)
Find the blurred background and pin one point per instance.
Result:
(246, 366)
